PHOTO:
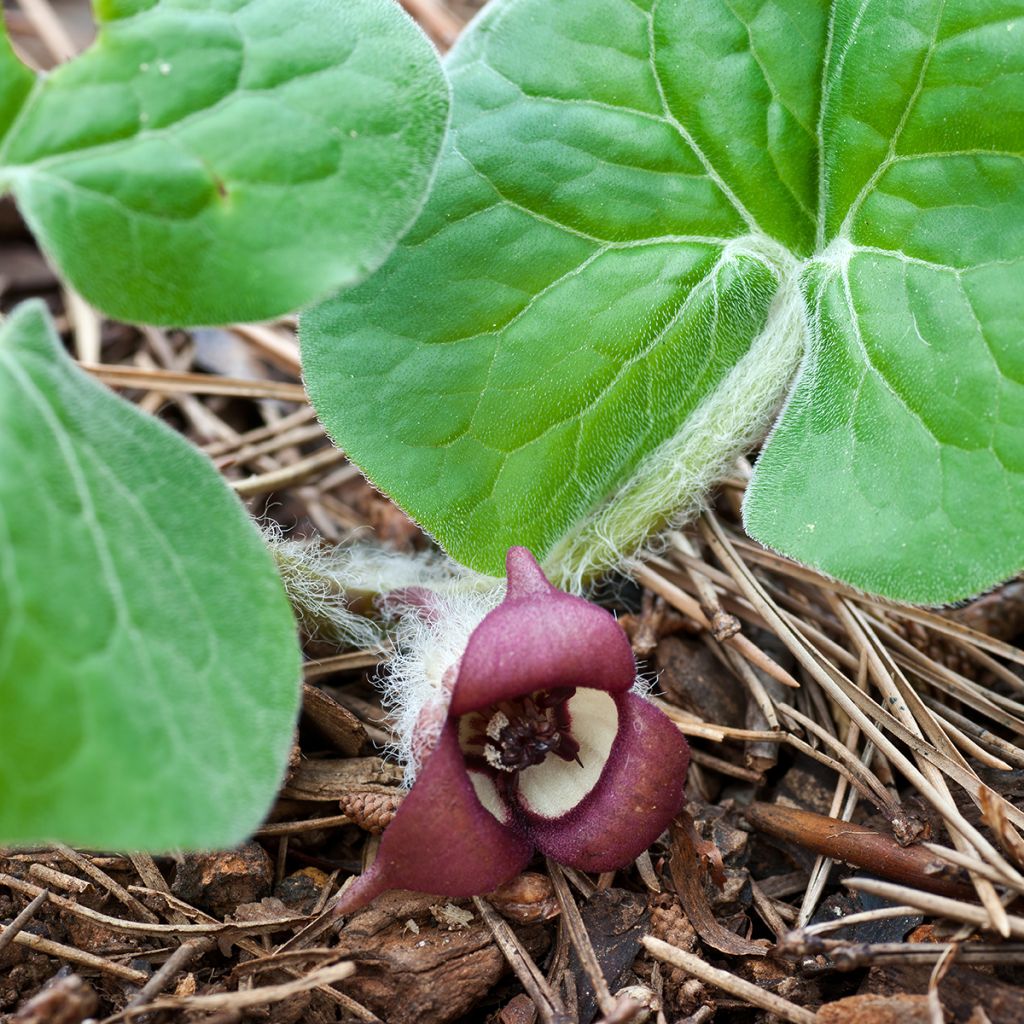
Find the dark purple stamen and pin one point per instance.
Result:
(522, 733)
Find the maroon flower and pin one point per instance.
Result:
(543, 746)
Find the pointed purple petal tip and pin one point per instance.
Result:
(539, 638)
(442, 839)
(525, 576)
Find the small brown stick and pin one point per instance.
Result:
(930, 903)
(859, 845)
(169, 381)
(966, 861)
(441, 25)
(987, 662)
(101, 878)
(126, 927)
(724, 767)
(948, 627)
(87, 325)
(944, 678)
(258, 434)
(74, 956)
(682, 601)
(863, 917)
(848, 954)
(735, 986)
(865, 781)
(179, 959)
(10, 933)
(1010, 751)
(339, 663)
(723, 625)
(248, 453)
(859, 707)
(288, 476)
(246, 998)
(766, 908)
(293, 828)
(691, 725)
(54, 879)
(529, 975)
(278, 347)
(961, 738)
(49, 28)
(844, 802)
(580, 939)
(757, 690)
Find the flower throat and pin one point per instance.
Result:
(523, 732)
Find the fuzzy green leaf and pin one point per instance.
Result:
(898, 465)
(647, 213)
(149, 666)
(236, 160)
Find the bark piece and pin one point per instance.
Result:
(422, 975)
(333, 779)
(688, 878)
(872, 1009)
(961, 991)
(694, 679)
(333, 721)
(219, 882)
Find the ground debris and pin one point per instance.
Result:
(219, 882)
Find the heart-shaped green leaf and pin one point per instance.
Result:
(206, 162)
(149, 665)
(647, 212)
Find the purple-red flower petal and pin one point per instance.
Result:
(539, 638)
(639, 792)
(442, 840)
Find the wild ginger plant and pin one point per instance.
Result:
(659, 233)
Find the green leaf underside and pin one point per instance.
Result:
(233, 160)
(625, 187)
(148, 661)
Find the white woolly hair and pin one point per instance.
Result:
(426, 648)
(670, 485)
(334, 589)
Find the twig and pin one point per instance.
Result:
(75, 956)
(855, 704)
(98, 875)
(682, 601)
(288, 476)
(297, 435)
(580, 939)
(724, 767)
(246, 998)
(859, 845)
(170, 381)
(10, 933)
(126, 927)
(49, 29)
(442, 26)
(735, 986)
(279, 348)
(529, 975)
(930, 903)
(179, 959)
